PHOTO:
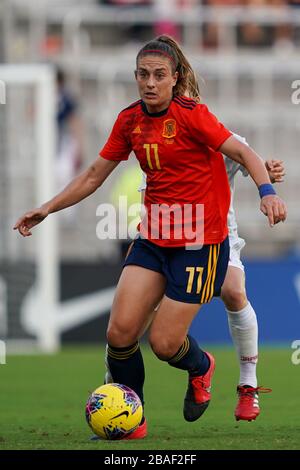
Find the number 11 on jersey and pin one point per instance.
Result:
(148, 148)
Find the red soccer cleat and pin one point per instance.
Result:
(247, 408)
(139, 433)
(198, 396)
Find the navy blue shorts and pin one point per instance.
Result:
(193, 276)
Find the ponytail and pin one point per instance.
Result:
(187, 83)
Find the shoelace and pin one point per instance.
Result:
(198, 382)
(246, 393)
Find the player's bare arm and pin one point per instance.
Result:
(80, 187)
(271, 205)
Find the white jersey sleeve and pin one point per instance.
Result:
(143, 185)
(232, 168)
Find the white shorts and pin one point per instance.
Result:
(236, 246)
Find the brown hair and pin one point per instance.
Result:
(187, 83)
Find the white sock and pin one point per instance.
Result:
(244, 333)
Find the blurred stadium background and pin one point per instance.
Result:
(56, 288)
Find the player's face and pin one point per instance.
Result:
(155, 80)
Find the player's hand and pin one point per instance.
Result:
(276, 170)
(29, 220)
(274, 208)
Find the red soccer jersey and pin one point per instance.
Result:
(178, 150)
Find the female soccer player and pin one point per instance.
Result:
(178, 144)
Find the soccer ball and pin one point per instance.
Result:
(113, 411)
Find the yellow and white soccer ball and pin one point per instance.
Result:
(113, 411)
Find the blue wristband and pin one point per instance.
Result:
(266, 190)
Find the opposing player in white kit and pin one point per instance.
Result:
(241, 315)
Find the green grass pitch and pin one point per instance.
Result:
(42, 400)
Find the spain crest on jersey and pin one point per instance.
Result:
(169, 130)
